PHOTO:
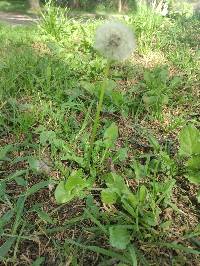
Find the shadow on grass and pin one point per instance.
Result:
(14, 6)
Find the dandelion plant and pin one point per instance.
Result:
(115, 41)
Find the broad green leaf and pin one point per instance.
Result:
(61, 195)
(165, 225)
(148, 100)
(194, 163)
(75, 182)
(121, 155)
(73, 157)
(150, 219)
(119, 236)
(189, 139)
(108, 196)
(193, 177)
(117, 98)
(5, 248)
(72, 188)
(142, 193)
(116, 182)
(139, 170)
(154, 143)
(47, 136)
(110, 85)
(128, 207)
(111, 135)
(133, 200)
(89, 87)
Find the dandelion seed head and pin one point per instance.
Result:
(114, 40)
(42, 167)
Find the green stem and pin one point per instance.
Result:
(99, 109)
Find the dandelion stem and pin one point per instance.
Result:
(99, 109)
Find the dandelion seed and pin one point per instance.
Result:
(115, 41)
(39, 166)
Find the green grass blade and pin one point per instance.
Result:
(19, 210)
(6, 218)
(4, 249)
(99, 250)
(180, 247)
(133, 256)
(35, 188)
(95, 221)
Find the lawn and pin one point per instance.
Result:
(136, 202)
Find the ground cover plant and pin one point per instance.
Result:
(131, 199)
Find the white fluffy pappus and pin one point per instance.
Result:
(114, 40)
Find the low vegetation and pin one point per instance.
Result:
(136, 201)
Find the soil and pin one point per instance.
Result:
(17, 18)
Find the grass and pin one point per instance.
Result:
(135, 204)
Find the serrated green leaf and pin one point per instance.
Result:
(119, 236)
(189, 141)
(108, 196)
